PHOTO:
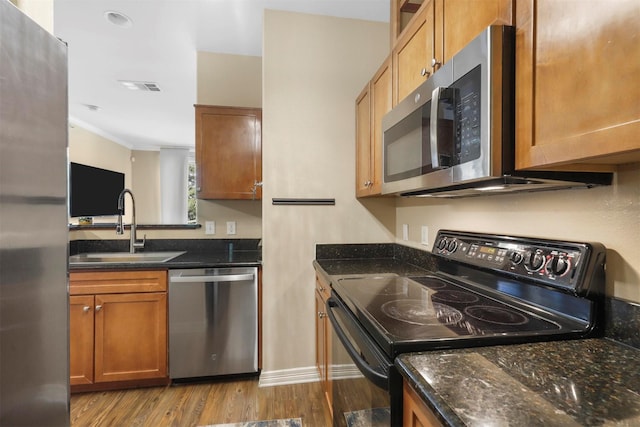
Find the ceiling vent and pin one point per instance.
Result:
(142, 86)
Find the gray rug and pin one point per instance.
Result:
(377, 417)
(289, 422)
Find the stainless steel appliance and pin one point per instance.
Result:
(213, 322)
(487, 290)
(34, 304)
(454, 135)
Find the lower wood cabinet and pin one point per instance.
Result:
(117, 327)
(323, 338)
(414, 412)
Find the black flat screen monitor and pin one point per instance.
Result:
(93, 191)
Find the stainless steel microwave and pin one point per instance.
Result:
(454, 135)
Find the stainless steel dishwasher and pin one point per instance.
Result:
(213, 322)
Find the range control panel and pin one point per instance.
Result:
(556, 263)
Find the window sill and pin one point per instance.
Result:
(105, 226)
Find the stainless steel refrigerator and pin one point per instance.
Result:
(34, 319)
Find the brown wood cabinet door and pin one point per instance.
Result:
(81, 339)
(414, 412)
(381, 99)
(321, 338)
(413, 53)
(577, 80)
(130, 336)
(463, 20)
(363, 142)
(228, 152)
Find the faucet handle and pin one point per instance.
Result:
(140, 243)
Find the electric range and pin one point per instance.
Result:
(486, 290)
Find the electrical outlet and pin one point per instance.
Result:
(424, 232)
(210, 227)
(405, 231)
(231, 227)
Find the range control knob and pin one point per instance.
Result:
(534, 261)
(442, 243)
(558, 265)
(516, 258)
(452, 246)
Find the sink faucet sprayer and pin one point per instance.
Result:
(133, 241)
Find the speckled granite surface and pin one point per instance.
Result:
(591, 382)
(200, 253)
(340, 260)
(622, 321)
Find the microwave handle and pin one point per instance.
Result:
(435, 101)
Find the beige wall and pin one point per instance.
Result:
(145, 168)
(40, 11)
(230, 80)
(610, 215)
(313, 69)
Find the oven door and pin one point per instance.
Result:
(366, 388)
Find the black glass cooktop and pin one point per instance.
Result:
(417, 312)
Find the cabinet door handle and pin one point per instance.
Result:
(322, 315)
(98, 307)
(86, 308)
(435, 63)
(424, 72)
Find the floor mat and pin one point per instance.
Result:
(289, 422)
(368, 417)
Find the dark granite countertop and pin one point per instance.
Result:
(592, 382)
(199, 253)
(353, 259)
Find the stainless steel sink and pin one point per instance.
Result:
(122, 257)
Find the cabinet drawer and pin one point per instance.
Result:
(114, 282)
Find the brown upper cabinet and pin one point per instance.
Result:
(402, 11)
(414, 52)
(373, 103)
(228, 153)
(578, 83)
(438, 31)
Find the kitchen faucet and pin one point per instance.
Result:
(133, 241)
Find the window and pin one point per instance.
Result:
(192, 205)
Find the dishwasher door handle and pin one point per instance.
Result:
(212, 278)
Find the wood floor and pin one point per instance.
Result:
(201, 404)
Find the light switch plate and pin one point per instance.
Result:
(210, 227)
(231, 227)
(405, 231)
(424, 235)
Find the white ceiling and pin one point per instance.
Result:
(161, 47)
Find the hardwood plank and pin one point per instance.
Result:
(190, 405)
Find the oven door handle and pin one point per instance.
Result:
(371, 374)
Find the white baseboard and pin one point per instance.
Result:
(305, 375)
(289, 376)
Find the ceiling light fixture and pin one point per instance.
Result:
(143, 86)
(119, 19)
